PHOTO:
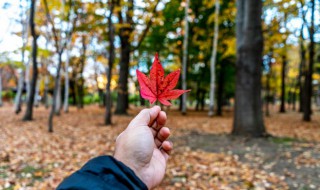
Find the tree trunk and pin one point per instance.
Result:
(214, 58)
(27, 79)
(198, 96)
(46, 90)
(308, 82)
(58, 95)
(18, 97)
(283, 84)
(108, 114)
(36, 100)
(29, 110)
(185, 59)
(248, 119)
(203, 95)
(294, 99)
(74, 91)
(220, 90)
(25, 32)
(55, 93)
(125, 34)
(123, 78)
(302, 66)
(267, 98)
(66, 84)
(80, 82)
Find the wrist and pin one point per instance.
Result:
(130, 165)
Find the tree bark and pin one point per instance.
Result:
(198, 96)
(220, 97)
(80, 82)
(302, 71)
(123, 78)
(55, 93)
(46, 90)
(36, 100)
(185, 59)
(58, 95)
(25, 32)
(283, 84)
(248, 119)
(308, 82)
(267, 98)
(29, 110)
(108, 114)
(27, 79)
(18, 97)
(214, 59)
(66, 84)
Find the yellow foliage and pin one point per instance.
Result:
(316, 76)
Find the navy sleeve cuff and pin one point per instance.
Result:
(103, 172)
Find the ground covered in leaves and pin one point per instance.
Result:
(204, 156)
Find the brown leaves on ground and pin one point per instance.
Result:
(32, 158)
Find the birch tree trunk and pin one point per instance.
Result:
(20, 87)
(55, 94)
(46, 90)
(36, 100)
(17, 106)
(214, 58)
(58, 95)
(248, 120)
(185, 59)
(27, 79)
(66, 83)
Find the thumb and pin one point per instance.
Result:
(146, 117)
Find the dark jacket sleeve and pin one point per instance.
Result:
(100, 173)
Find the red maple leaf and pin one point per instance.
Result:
(158, 87)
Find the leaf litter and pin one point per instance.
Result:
(32, 158)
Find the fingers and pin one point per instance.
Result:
(146, 117)
(166, 148)
(161, 136)
(160, 122)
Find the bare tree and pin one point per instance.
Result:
(60, 45)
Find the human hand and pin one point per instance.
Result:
(143, 146)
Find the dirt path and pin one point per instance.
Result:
(298, 163)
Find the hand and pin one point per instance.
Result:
(143, 146)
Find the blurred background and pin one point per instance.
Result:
(68, 87)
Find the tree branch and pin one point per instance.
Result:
(53, 29)
(146, 29)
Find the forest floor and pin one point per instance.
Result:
(204, 156)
